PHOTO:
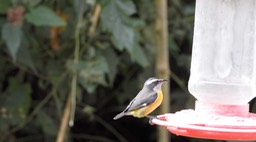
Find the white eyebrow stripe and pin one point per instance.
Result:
(150, 81)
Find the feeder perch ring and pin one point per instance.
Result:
(192, 124)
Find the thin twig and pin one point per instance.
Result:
(93, 26)
(69, 112)
(74, 78)
(64, 121)
(73, 100)
(95, 19)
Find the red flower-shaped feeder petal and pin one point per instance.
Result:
(211, 123)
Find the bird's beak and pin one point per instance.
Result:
(164, 80)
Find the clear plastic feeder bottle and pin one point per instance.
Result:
(222, 74)
(223, 54)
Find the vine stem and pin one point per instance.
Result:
(74, 78)
(64, 121)
(69, 112)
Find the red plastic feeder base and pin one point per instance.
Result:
(211, 121)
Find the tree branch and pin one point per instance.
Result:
(162, 60)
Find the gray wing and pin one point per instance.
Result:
(144, 98)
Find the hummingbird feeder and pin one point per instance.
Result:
(223, 73)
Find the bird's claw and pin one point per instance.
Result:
(150, 119)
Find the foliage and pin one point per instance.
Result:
(41, 15)
(39, 41)
(12, 36)
(38, 46)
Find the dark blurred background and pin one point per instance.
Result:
(101, 51)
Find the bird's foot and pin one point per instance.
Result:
(151, 117)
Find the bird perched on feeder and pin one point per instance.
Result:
(146, 101)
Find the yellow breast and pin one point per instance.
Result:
(142, 112)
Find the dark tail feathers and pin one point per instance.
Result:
(119, 115)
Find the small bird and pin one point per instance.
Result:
(146, 101)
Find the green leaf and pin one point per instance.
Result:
(18, 101)
(126, 6)
(91, 72)
(116, 19)
(91, 2)
(24, 57)
(31, 2)
(5, 4)
(113, 20)
(123, 37)
(43, 16)
(112, 61)
(47, 124)
(90, 87)
(12, 35)
(138, 55)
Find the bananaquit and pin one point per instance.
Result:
(146, 101)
